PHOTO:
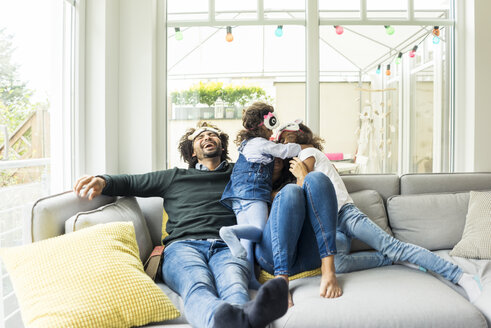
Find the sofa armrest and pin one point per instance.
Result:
(49, 214)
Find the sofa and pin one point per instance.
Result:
(424, 209)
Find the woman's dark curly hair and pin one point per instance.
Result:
(306, 136)
(186, 146)
(252, 117)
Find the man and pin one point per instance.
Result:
(197, 264)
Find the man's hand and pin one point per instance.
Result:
(89, 183)
(298, 169)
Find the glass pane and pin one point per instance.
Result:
(421, 157)
(212, 79)
(386, 8)
(34, 45)
(187, 9)
(284, 9)
(432, 8)
(339, 9)
(235, 9)
(392, 103)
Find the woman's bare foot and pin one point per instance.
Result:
(290, 299)
(329, 287)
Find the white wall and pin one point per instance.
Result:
(122, 122)
(101, 86)
(472, 84)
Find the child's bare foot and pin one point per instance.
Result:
(290, 299)
(329, 287)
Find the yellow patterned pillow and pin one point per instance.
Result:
(89, 278)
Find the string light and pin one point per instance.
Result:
(387, 72)
(398, 59)
(378, 69)
(179, 36)
(412, 53)
(279, 31)
(436, 31)
(436, 35)
(389, 29)
(339, 29)
(229, 37)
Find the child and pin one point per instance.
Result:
(352, 223)
(249, 191)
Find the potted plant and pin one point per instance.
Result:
(208, 95)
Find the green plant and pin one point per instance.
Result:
(208, 92)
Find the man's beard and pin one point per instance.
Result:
(216, 153)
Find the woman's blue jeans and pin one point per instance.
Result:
(301, 228)
(206, 275)
(352, 223)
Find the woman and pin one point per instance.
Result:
(352, 223)
(300, 233)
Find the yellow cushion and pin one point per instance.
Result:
(165, 218)
(265, 276)
(89, 278)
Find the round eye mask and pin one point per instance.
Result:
(270, 121)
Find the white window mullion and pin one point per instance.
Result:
(313, 66)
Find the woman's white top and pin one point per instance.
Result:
(324, 165)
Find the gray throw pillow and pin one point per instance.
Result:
(476, 240)
(432, 221)
(370, 203)
(124, 209)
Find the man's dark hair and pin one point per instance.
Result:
(186, 146)
(252, 117)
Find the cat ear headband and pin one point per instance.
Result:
(197, 132)
(270, 121)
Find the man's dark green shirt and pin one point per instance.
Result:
(191, 199)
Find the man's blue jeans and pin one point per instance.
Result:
(352, 223)
(301, 228)
(206, 275)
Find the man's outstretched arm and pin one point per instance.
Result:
(140, 185)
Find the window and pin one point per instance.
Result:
(378, 112)
(36, 107)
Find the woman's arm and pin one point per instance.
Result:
(300, 168)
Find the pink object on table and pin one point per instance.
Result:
(335, 156)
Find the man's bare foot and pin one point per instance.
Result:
(329, 287)
(290, 299)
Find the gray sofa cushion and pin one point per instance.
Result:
(124, 209)
(370, 203)
(391, 296)
(432, 221)
(417, 183)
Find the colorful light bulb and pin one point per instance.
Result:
(387, 72)
(398, 59)
(389, 29)
(378, 69)
(229, 36)
(436, 31)
(339, 29)
(179, 36)
(412, 53)
(279, 31)
(436, 40)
